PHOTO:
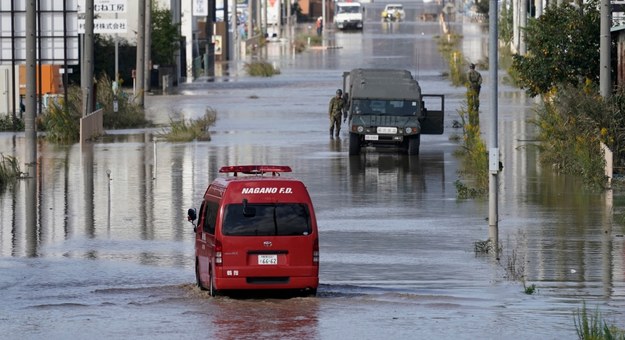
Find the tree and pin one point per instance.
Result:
(562, 48)
(165, 36)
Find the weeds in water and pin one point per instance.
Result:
(61, 120)
(303, 41)
(449, 47)
(513, 262)
(531, 289)
(570, 136)
(474, 157)
(9, 171)
(466, 192)
(129, 115)
(7, 123)
(483, 247)
(593, 327)
(194, 129)
(261, 69)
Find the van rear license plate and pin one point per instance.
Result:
(267, 259)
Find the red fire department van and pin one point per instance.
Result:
(256, 230)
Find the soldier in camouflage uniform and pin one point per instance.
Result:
(336, 111)
(475, 85)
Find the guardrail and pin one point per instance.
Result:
(91, 126)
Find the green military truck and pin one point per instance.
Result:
(387, 109)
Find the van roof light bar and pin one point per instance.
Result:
(255, 169)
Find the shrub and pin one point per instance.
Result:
(7, 123)
(9, 171)
(195, 129)
(61, 121)
(570, 135)
(261, 69)
(304, 40)
(128, 115)
(474, 156)
(594, 327)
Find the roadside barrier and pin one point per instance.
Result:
(91, 126)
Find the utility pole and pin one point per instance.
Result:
(493, 159)
(30, 154)
(86, 76)
(148, 46)
(140, 66)
(605, 77)
(30, 159)
(522, 25)
(234, 26)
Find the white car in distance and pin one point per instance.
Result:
(393, 12)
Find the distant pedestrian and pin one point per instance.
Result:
(336, 111)
(475, 85)
(319, 26)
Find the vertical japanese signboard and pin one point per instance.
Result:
(103, 9)
(200, 8)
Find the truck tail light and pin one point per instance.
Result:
(316, 252)
(218, 254)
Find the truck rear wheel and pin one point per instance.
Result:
(197, 276)
(211, 287)
(413, 145)
(354, 144)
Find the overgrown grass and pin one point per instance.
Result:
(129, 115)
(593, 327)
(189, 130)
(61, 121)
(572, 125)
(261, 69)
(7, 123)
(512, 261)
(9, 171)
(448, 46)
(473, 155)
(302, 41)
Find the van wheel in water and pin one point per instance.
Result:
(197, 276)
(211, 288)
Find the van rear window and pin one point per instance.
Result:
(288, 219)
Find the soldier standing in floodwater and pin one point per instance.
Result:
(475, 85)
(336, 111)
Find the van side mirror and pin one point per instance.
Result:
(191, 215)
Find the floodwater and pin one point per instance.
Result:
(111, 252)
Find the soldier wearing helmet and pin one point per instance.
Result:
(335, 111)
(475, 85)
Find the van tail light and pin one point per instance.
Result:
(218, 254)
(316, 252)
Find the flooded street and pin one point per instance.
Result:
(112, 254)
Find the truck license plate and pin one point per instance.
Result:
(371, 137)
(267, 259)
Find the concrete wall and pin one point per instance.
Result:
(9, 92)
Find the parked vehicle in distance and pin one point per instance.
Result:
(256, 232)
(348, 15)
(393, 12)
